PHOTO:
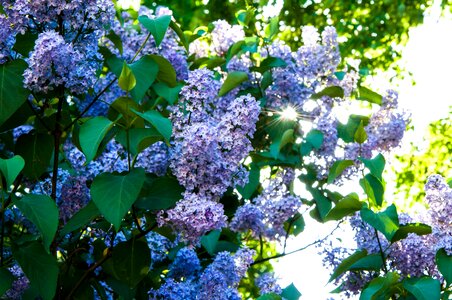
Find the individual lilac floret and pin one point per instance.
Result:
(267, 284)
(54, 63)
(193, 217)
(224, 35)
(185, 265)
(19, 285)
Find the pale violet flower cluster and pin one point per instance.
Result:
(218, 281)
(265, 215)
(266, 283)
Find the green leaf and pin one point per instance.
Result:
(25, 42)
(166, 73)
(130, 262)
(36, 149)
(81, 218)
(40, 268)
(12, 92)
(157, 26)
(337, 169)
(245, 16)
(330, 91)
(145, 71)
(43, 212)
(6, 280)
(126, 80)
(139, 138)
(360, 134)
(375, 165)
(210, 241)
(92, 132)
(272, 28)
(253, 182)
(162, 124)
(374, 188)
(281, 141)
(444, 263)
(269, 63)
(424, 288)
(347, 131)
(345, 207)
(404, 230)
(370, 262)
(115, 194)
(290, 292)
(233, 80)
(315, 138)
(323, 204)
(380, 287)
(270, 296)
(346, 263)
(166, 92)
(159, 193)
(10, 169)
(116, 40)
(183, 39)
(387, 222)
(369, 95)
(122, 106)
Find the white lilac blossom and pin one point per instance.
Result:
(224, 35)
(266, 283)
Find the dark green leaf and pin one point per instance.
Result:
(270, 296)
(12, 92)
(6, 280)
(92, 132)
(183, 39)
(209, 241)
(323, 204)
(81, 218)
(232, 81)
(248, 190)
(290, 292)
(315, 138)
(116, 40)
(10, 168)
(25, 42)
(370, 262)
(166, 92)
(360, 134)
(337, 169)
(166, 73)
(36, 149)
(145, 71)
(281, 141)
(346, 263)
(159, 193)
(269, 63)
(157, 26)
(345, 207)
(330, 91)
(369, 95)
(140, 138)
(444, 263)
(404, 230)
(43, 212)
(40, 267)
(115, 194)
(347, 131)
(130, 262)
(374, 188)
(375, 165)
(387, 222)
(380, 287)
(162, 124)
(424, 288)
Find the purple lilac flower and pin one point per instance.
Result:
(248, 217)
(19, 285)
(224, 35)
(175, 290)
(159, 246)
(154, 159)
(193, 217)
(185, 265)
(74, 196)
(267, 284)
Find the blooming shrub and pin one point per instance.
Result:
(139, 161)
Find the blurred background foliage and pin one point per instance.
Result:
(373, 31)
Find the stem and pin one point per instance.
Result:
(2, 232)
(57, 139)
(141, 47)
(383, 258)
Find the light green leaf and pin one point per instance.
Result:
(42, 211)
(10, 168)
(145, 71)
(162, 124)
(337, 169)
(345, 207)
(126, 80)
(375, 165)
(115, 194)
(330, 91)
(232, 81)
(92, 132)
(40, 267)
(269, 63)
(369, 95)
(12, 92)
(360, 134)
(157, 26)
(253, 182)
(424, 288)
(387, 222)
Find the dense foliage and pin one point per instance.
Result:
(139, 161)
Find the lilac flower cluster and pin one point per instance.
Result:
(154, 159)
(266, 283)
(218, 281)
(224, 35)
(266, 214)
(19, 285)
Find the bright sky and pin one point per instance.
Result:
(427, 56)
